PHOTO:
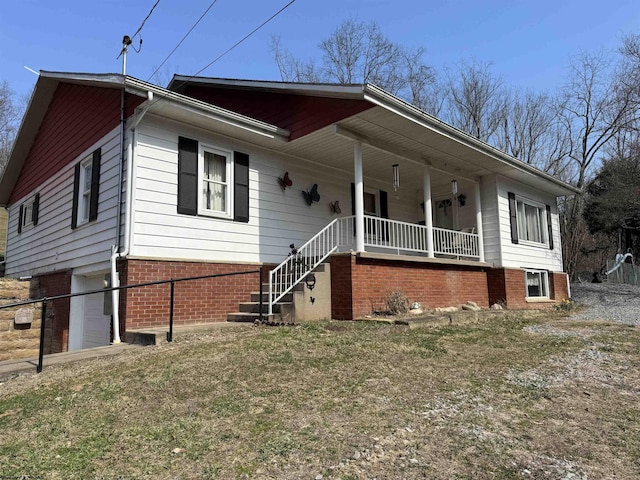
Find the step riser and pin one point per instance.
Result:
(254, 307)
(252, 317)
(255, 297)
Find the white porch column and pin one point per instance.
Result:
(428, 215)
(478, 206)
(359, 193)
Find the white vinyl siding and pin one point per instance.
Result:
(525, 254)
(53, 245)
(277, 218)
(491, 218)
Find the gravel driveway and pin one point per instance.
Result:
(608, 301)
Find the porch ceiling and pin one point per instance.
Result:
(403, 140)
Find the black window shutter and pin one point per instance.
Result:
(384, 211)
(95, 185)
(241, 187)
(35, 212)
(549, 227)
(384, 205)
(20, 218)
(187, 176)
(513, 217)
(353, 199)
(76, 191)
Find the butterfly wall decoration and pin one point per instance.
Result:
(312, 195)
(285, 181)
(335, 207)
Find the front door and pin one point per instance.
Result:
(444, 214)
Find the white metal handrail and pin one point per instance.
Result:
(379, 232)
(306, 258)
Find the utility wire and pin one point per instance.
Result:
(243, 39)
(183, 39)
(145, 20)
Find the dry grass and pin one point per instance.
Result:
(504, 397)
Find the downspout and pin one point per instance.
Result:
(115, 251)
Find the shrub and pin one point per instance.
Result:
(397, 302)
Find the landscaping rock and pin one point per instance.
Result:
(472, 306)
(446, 309)
(496, 306)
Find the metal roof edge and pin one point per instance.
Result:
(351, 91)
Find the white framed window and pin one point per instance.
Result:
(536, 283)
(84, 194)
(29, 211)
(531, 221)
(215, 182)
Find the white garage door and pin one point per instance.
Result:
(97, 325)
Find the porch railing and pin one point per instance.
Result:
(379, 233)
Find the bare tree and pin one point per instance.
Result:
(357, 52)
(10, 113)
(476, 99)
(530, 131)
(598, 106)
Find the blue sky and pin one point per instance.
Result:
(529, 43)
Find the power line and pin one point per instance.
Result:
(145, 20)
(183, 39)
(243, 39)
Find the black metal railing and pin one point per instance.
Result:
(171, 281)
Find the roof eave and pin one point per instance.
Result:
(386, 100)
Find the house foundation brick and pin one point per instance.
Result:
(195, 301)
(507, 287)
(57, 318)
(360, 286)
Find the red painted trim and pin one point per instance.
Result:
(299, 114)
(78, 116)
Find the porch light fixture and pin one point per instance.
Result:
(310, 281)
(454, 186)
(396, 177)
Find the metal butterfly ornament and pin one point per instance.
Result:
(312, 195)
(335, 207)
(285, 181)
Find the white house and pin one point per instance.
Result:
(111, 174)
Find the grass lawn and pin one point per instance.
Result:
(539, 397)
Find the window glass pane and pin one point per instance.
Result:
(85, 206)
(87, 178)
(214, 196)
(536, 284)
(215, 167)
(370, 204)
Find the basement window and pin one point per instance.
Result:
(537, 283)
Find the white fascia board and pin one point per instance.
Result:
(384, 99)
(208, 110)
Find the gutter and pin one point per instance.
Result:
(115, 253)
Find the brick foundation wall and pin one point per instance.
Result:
(57, 318)
(197, 301)
(507, 287)
(341, 291)
(559, 286)
(371, 280)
